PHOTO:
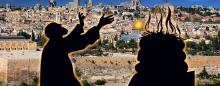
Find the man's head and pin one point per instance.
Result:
(54, 30)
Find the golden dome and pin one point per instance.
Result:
(138, 25)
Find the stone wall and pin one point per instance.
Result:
(3, 71)
(15, 45)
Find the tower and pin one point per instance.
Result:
(52, 3)
(77, 2)
(135, 3)
(58, 17)
(8, 7)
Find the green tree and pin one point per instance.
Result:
(33, 36)
(132, 44)
(215, 43)
(202, 45)
(121, 44)
(78, 72)
(85, 83)
(34, 82)
(107, 45)
(207, 14)
(204, 74)
(192, 45)
(192, 52)
(41, 40)
(100, 82)
(24, 34)
(110, 46)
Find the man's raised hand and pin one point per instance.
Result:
(81, 18)
(105, 20)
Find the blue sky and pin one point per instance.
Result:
(25, 3)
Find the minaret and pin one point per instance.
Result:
(8, 7)
(58, 16)
(135, 4)
(52, 3)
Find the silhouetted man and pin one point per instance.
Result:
(56, 67)
(162, 59)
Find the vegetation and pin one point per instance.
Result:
(33, 38)
(204, 74)
(121, 44)
(78, 72)
(94, 52)
(132, 44)
(35, 82)
(100, 82)
(206, 79)
(107, 45)
(85, 83)
(24, 34)
(100, 47)
(202, 48)
(41, 40)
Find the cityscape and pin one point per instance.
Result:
(111, 60)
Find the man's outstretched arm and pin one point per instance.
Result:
(78, 29)
(91, 35)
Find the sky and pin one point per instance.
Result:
(149, 3)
